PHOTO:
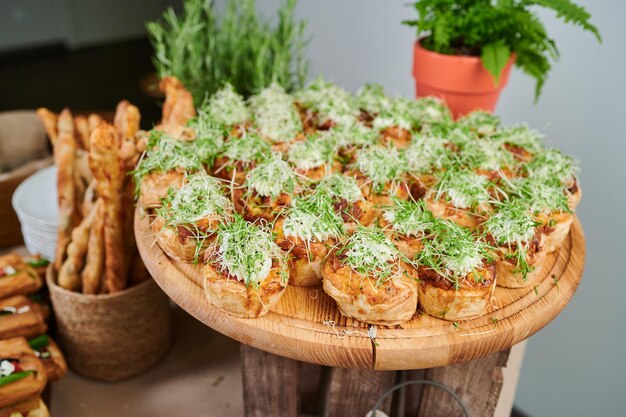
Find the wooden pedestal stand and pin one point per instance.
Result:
(306, 329)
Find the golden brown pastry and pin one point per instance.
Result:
(178, 107)
(519, 245)
(406, 223)
(369, 279)
(461, 196)
(457, 278)
(267, 190)
(309, 229)
(31, 407)
(246, 272)
(22, 374)
(17, 277)
(314, 158)
(185, 224)
(50, 355)
(19, 316)
(240, 155)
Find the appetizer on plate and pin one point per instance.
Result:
(276, 117)
(371, 100)
(457, 276)
(17, 276)
(240, 155)
(550, 165)
(309, 229)
(519, 245)
(396, 121)
(348, 201)
(227, 108)
(549, 206)
(314, 158)
(381, 173)
(370, 280)
(245, 272)
(324, 105)
(425, 156)
(267, 189)
(407, 223)
(480, 122)
(50, 355)
(164, 166)
(521, 141)
(185, 223)
(22, 375)
(460, 195)
(19, 316)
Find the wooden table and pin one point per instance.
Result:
(304, 357)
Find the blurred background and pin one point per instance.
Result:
(89, 55)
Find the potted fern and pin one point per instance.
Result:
(465, 48)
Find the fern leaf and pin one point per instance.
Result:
(494, 58)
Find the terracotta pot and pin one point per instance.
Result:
(460, 80)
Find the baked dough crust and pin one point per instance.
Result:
(360, 297)
(155, 186)
(30, 386)
(175, 242)
(439, 298)
(234, 298)
(462, 217)
(508, 277)
(555, 227)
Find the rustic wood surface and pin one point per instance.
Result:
(307, 326)
(270, 384)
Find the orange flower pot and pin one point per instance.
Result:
(460, 80)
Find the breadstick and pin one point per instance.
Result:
(178, 107)
(109, 174)
(49, 120)
(90, 198)
(69, 274)
(126, 122)
(93, 120)
(91, 276)
(64, 158)
(82, 128)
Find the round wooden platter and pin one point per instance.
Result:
(306, 325)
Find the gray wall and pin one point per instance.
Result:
(576, 366)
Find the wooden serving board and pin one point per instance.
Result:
(306, 325)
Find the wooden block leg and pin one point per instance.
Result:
(477, 382)
(270, 384)
(354, 392)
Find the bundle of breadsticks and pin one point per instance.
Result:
(96, 251)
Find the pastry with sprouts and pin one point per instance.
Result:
(240, 154)
(481, 122)
(267, 189)
(371, 100)
(186, 222)
(370, 279)
(348, 201)
(324, 105)
(245, 272)
(549, 206)
(380, 171)
(460, 195)
(406, 223)
(396, 122)
(426, 156)
(521, 141)
(315, 157)
(309, 229)
(519, 248)
(164, 166)
(457, 276)
(550, 165)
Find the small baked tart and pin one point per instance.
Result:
(348, 201)
(315, 157)
(267, 189)
(521, 141)
(276, 117)
(406, 223)
(549, 206)
(461, 196)
(551, 165)
(371, 100)
(480, 122)
(457, 277)
(186, 222)
(426, 155)
(163, 167)
(369, 279)
(17, 277)
(381, 173)
(240, 154)
(519, 248)
(396, 121)
(324, 105)
(349, 139)
(245, 272)
(227, 108)
(309, 229)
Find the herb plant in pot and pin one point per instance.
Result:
(466, 48)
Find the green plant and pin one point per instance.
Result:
(493, 29)
(240, 48)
